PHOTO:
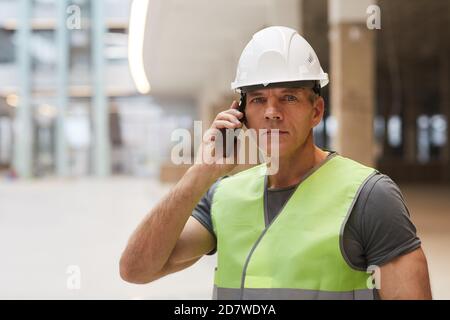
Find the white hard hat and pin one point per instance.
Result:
(277, 54)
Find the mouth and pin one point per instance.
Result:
(275, 131)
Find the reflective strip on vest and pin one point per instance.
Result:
(299, 255)
(290, 294)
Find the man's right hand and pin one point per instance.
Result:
(206, 155)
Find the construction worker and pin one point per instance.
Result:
(316, 229)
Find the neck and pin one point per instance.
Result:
(294, 166)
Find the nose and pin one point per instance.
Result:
(272, 111)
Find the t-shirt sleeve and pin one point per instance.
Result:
(202, 211)
(386, 230)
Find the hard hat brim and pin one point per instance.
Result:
(238, 86)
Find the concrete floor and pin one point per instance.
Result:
(48, 225)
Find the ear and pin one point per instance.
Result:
(318, 111)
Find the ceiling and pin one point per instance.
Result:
(196, 44)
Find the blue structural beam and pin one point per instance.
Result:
(23, 144)
(100, 112)
(62, 35)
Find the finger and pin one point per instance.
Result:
(228, 116)
(235, 112)
(220, 124)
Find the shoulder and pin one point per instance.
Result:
(379, 202)
(380, 221)
(258, 169)
(242, 177)
(381, 196)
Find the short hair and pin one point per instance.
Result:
(313, 96)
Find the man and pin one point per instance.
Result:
(312, 230)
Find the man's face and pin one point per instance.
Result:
(288, 109)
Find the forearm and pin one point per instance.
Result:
(152, 242)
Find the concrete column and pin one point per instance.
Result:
(23, 142)
(352, 80)
(62, 90)
(315, 30)
(101, 150)
(444, 81)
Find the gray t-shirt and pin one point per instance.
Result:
(378, 229)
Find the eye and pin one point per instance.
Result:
(257, 100)
(290, 98)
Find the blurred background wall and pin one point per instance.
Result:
(85, 141)
(68, 104)
(69, 107)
